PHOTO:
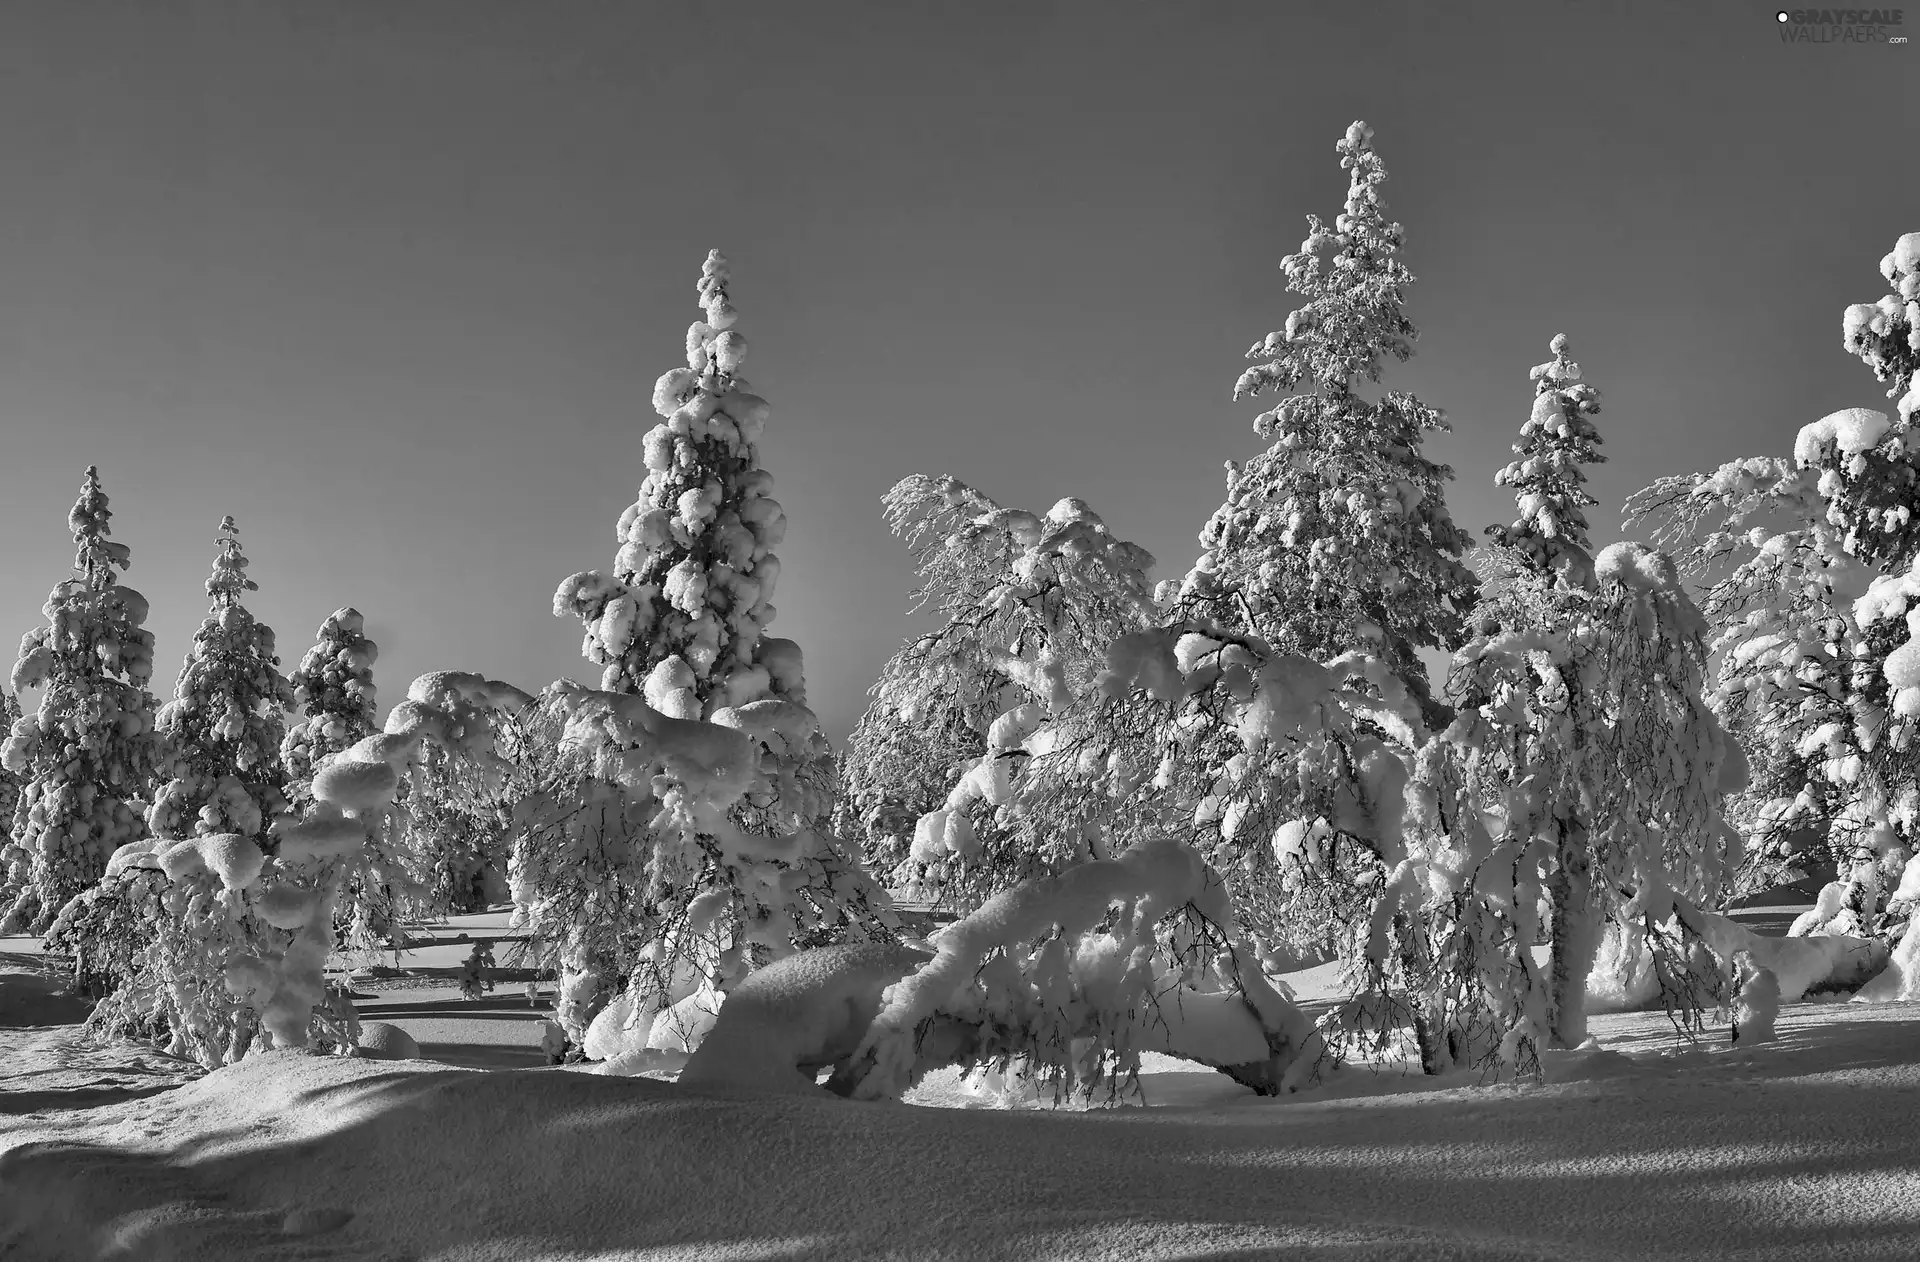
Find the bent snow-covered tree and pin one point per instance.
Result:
(1030, 604)
(1072, 975)
(1337, 537)
(678, 625)
(88, 756)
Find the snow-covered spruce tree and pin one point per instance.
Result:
(1548, 479)
(333, 688)
(223, 726)
(679, 624)
(1030, 604)
(88, 757)
(227, 717)
(1337, 537)
(1810, 678)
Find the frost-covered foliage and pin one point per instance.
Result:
(88, 757)
(1807, 564)
(606, 865)
(264, 922)
(1337, 537)
(334, 690)
(1030, 604)
(1548, 480)
(224, 726)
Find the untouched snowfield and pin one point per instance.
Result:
(1805, 1148)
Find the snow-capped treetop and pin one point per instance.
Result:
(1548, 481)
(1337, 538)
(96, 555)
(229, 578)
(681, 618)
(226, 718)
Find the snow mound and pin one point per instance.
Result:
(380, 1040)
(408, 1159)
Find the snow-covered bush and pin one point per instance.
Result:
(88, 756)
(606, 861)
(1030, 604)
(1337, 537)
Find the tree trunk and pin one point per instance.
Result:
(1575, 936)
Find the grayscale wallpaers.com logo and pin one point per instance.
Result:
(1842, 26)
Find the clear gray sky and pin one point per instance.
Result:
(391, 282)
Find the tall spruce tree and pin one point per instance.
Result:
(681, 618)
(1337, 537)
(680, 622)
(89, 755)
(227, 716)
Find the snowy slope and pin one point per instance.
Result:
(1804, 1149)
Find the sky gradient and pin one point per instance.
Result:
(391, 283)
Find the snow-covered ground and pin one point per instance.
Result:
(1805, 1148)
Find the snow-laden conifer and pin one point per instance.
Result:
(224, 726)
(605, 867)
(89, 755)
(1548, 480)
(227, 716)
(1337, 537)
(333, 689)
